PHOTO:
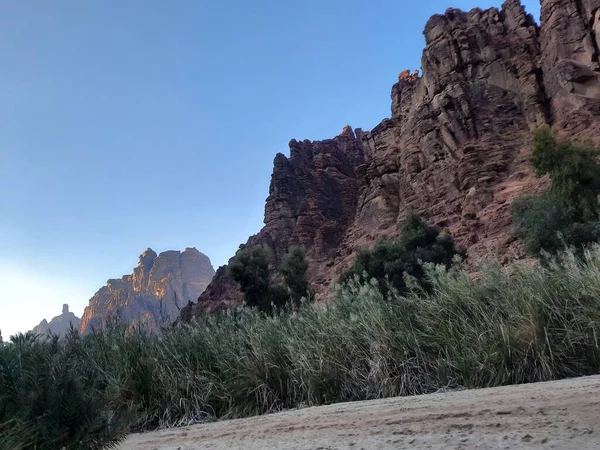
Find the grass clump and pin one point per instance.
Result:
(524, 323)
(51, 399)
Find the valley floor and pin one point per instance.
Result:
(562, 415)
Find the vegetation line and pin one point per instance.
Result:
(524, 323)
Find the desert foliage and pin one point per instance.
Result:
(518, 324)
(567, 215)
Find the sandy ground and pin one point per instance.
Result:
(561, 415)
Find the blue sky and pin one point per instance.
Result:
(145, 123)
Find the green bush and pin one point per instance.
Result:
(250, 269)
(293, 268)
(573, 168)
(523, 323)
(391, 261)
(568, 214)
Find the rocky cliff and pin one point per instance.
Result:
(159, 286)
(455, 148)
(59, 325)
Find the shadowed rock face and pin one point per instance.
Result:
(312, 202)
(455, 148)
(59, 325)
(153, 294)
(571, 70)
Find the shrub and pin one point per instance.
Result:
(250, 269)
(293, 268)
(573, 168)
(543, 222)
(566, 215)
(392, 260)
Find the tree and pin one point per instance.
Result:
(293, 268)
(573, 168)
(250, 269)
(391, 260)
(567, 214)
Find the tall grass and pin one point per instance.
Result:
(520, 324)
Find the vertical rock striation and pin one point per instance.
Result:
(571, 71)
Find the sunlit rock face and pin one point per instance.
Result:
(455, 148)
(152, 296)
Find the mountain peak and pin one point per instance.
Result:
(153, 294)
(59, 325)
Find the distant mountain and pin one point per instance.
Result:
(60, 324)
(159, 286)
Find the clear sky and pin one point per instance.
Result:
(151, 123)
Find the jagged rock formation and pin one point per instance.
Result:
(455, 148)
(154, 293)
(59, 325)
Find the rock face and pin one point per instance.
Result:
(570, 38)
(59, 325)
(154, 293)
(455, 148)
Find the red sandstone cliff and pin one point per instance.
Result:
(455, 148)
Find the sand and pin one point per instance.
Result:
(562, 415)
